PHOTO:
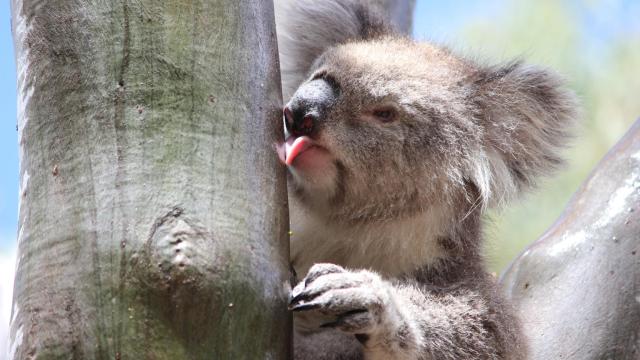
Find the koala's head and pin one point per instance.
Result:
(387, 128)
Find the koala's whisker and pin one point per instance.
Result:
(473, 207)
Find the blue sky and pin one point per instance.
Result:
(438, 20)
(8, 134)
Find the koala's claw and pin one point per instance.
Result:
(353, 302)
(304, 306)
(295, 301)
(318, 270)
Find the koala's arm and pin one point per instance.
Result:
(406, 320)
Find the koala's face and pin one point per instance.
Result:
(378, 129)
(387, 128)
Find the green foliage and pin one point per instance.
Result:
(603, 70)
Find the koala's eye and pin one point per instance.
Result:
(384, 114)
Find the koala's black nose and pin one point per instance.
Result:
(298, 122)
(308, 108)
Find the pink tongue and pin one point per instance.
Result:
(293, 147)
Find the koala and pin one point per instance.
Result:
(394, 149)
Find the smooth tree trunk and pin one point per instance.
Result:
(153, 220)
(577, 288)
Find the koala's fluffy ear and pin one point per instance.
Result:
(527, 115)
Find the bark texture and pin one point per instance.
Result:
(577, 288)
(153, 210)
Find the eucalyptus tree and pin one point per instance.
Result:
(152, 221)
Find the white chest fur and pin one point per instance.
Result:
(389, 248)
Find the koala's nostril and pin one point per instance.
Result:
(297, 122)
(306, 126)
(302, 124)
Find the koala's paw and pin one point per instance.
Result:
(357, 302)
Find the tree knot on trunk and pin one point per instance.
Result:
(179, 257)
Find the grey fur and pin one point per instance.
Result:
(388, 233)
(306, 28)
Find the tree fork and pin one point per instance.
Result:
(153, 221)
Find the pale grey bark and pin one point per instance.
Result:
(153, 210)
(577, 288)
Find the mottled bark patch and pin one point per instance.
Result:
(180, 273)
(179, 253)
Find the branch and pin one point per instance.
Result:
(577, 288)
